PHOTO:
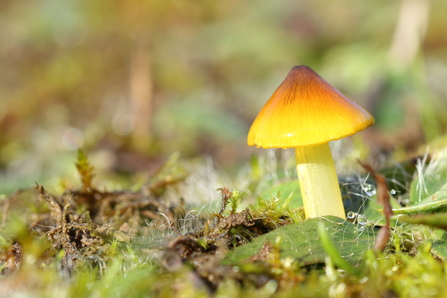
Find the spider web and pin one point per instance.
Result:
(301, 241)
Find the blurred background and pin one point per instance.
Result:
(132, 82)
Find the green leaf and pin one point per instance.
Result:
(425, 206)
(374, 210)
(301, 241)
(332, 251)
(438, 226)
(431, 182)
(439, 249)
(438, 220)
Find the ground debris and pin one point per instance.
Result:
(233, 229)
(83, 227)
(11, 258)
(83, 223)
(204, 249)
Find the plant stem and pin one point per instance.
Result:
(318, 181)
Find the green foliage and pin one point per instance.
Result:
(430, 183)
(276, 208)
(291, 190)
(332, 251)
(85, 170)
(266, 250)
(301, 241)
(235, 200)
(188, 77)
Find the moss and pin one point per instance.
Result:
(86, 242)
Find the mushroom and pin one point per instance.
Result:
(305, 113)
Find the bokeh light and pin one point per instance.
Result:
(144, 79)
(73, 139)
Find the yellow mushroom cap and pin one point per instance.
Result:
(306, 110)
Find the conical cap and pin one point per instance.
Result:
(306, 110)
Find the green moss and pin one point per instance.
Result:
(88, 243)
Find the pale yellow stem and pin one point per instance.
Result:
(318, 181)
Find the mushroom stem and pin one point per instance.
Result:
(318, 181)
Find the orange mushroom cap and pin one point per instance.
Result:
(306, 110)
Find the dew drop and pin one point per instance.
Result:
(362, 220)
(351, 215)
(369, 189)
